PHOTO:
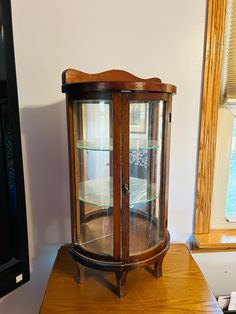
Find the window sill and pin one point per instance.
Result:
(215, 240)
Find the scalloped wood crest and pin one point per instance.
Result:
(75, 76)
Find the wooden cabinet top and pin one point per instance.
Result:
(74, 81)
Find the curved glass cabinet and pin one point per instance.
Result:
(119, 138)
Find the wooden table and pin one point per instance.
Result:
(182, 289)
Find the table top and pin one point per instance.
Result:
(181, 289)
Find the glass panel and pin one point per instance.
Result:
(93, 164)
(146, 119)
(231, 194)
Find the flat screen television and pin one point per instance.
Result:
(14, 259)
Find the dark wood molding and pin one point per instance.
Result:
(75, 88)
(74, 81)
(75, 76)
(116, 99)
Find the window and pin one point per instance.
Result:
(223, 208)
(224, 185)
(207, 195)
(215, 30)
(230, 212)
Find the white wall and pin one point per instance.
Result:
(146, 37)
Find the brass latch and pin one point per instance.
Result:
(125, 189)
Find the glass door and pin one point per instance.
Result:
(142, 206)
(146, 125)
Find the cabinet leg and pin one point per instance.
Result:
(121, 281)
(158, 268)
(80, 278)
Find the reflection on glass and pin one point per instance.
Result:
(146, 120)
(93, 141)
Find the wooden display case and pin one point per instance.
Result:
(119, 140)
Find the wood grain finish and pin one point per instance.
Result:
(75, 81)
(209, 115)
(74, 76)
(144, 86)
(71, 149)
(125, 177)
(216, 239)
(116, 105)
(181, 289)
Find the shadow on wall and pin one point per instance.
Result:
(46, 173)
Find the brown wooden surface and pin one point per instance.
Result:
(116, 105)
(181, 289)
(125, 132)
(144, 86)
(71, 149)
(111, 80)
(74, 76)
(216, 239)
(209, 115)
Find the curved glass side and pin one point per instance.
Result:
(93, 124)
(146, 122)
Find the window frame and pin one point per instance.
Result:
(215, 32)
(204, 238)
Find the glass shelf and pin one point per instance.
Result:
(107, 144)
(99, 192)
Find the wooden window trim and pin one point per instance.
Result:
(216, 239)
(211, 89)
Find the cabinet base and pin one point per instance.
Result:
(121, 268)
